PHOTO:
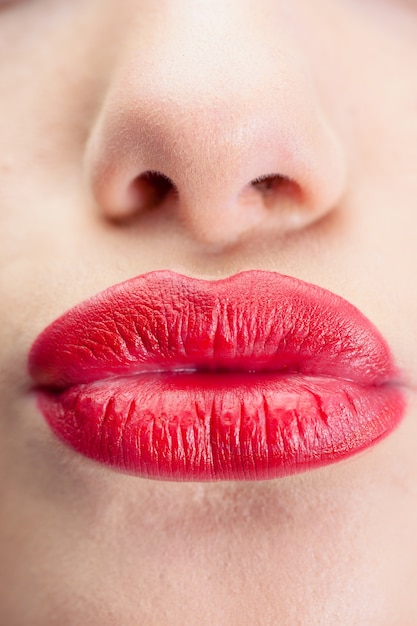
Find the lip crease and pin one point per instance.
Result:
(251, 377)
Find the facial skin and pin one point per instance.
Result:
(214, 95)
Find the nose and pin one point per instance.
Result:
(215, 118)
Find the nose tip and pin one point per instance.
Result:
(229, 151)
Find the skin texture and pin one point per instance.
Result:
(214, 96)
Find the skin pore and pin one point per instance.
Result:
(321, 97)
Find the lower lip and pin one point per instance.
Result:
(221, 426)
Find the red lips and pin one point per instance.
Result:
(251, 377)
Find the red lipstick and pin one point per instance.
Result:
(255, 376)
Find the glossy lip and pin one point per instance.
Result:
(255, 376)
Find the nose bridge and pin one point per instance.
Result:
(208, 46)
(214, 71)
(204, 96)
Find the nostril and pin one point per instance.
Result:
(276, 186)
(149, 190)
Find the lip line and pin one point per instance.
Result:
(221, 373)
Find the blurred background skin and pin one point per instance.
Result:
(214, 95)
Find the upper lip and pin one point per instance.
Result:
(253, 321)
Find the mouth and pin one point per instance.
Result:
(252, 377)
